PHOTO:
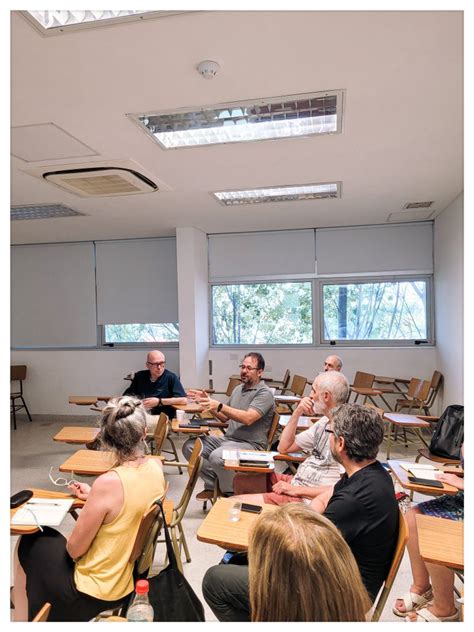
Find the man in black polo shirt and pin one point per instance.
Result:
(158, 387)
(362, 505)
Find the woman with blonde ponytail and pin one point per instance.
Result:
(89, 572)
(301, 569)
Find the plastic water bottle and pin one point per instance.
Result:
(141, 609)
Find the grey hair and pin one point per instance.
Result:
(122, 427)
(338, 361)
(362, 429)
(335, 383)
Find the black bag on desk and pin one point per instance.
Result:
(170, 594)
(448, 437)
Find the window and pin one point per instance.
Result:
(262, 313)
(382, 310)
(140, 333)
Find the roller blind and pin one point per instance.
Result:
(274, 253)
(53, 296)
(375, 249)
(136, 281)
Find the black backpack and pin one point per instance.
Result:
(448, 437)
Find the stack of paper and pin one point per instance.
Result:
(421, 470)
(49, 512)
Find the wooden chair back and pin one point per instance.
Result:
(272, 431)
(298, 384)
(436, 381)
(161, 432)
(233, 382)
(413, 388)
(43, 614)
(144, 546)
(17, 372)
(394, 566)
(423, 391)
(194, 467)
(286, 379)
(380, 411)
(363, 380)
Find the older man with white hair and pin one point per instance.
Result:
(320, 471)
(333, 363)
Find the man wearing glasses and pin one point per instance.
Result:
(159, 388)
(249, 412)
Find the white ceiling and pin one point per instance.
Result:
(402, 138)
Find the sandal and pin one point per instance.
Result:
(413, 602)
(426, 616)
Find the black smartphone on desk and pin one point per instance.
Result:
(425, 481)
(251, 508)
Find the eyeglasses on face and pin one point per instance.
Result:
(158, 365)
(329, 430)
(61, 481)
(247, 367)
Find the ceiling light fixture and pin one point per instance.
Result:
(41, 211)
(260, 119)
(287, 193)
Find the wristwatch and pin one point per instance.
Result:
(160, 403)
(219, 408)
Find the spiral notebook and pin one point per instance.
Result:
(49, 512)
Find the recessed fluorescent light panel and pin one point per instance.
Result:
(63, 18)
(41, 211)
(242, 121)
(293, 193)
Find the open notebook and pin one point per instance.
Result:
(421, 470)
(49, 512)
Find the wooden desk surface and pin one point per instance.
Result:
(402, 476)
(92, 462)
(192, 409)
(218, 529)
(16, 529)
(368, 391)
(76, 434)
(441, 541)
(88, 400)
(287, 399)
(400, 419)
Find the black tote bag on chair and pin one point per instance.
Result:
(170, 594)
(449, 434)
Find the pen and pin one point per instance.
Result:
(35, 502)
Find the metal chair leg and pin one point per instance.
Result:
(182, 540)
(26, 408)
(14, 415)
(177, 552)
(173, 447)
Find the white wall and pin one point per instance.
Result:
(53, 375)
(448, 259)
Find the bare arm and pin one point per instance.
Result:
(104, 501)
(451, 479)
(287, 440)
(245, 417)
(320, 503)
(300, 491)
(152, 402)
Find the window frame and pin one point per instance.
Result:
(132, 345)
(346, 280)
(317, 284)
(262, 281)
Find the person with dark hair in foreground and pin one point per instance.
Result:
(362, 506)
(299, 543)
(90, 572)
(249, 412)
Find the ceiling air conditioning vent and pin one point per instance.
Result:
(101, 181)
(410, 205)
(41, 211)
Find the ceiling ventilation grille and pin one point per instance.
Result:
(411, 205)
(41, 211)
(101, 181)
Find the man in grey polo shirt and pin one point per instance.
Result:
(249, 412)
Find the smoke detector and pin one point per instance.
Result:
(208, 69)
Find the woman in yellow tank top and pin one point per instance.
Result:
(89, 572)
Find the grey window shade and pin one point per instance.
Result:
(136, 281)
(274, 253)
(53, 295)
(372, 249)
